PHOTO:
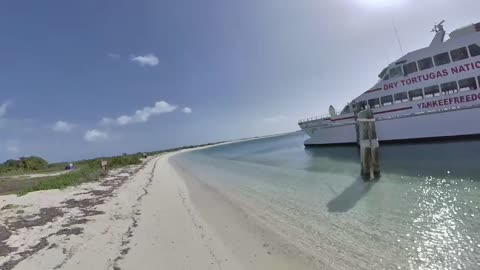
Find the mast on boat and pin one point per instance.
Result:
(440, 34)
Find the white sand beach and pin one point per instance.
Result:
(140, 217)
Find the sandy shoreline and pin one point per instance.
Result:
(242, 228)
(140, 217)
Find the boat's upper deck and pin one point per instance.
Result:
(443, 68)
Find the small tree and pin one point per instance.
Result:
(12, 164)
(33, 163)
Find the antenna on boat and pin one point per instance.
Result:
(396, 34)
(438, 27)
(439, 34)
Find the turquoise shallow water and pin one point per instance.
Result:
(423, 213)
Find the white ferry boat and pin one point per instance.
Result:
(431, 93)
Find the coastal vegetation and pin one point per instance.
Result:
(82, 175)
(24, 164)
(28, 174)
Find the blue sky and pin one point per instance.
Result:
(81, 79)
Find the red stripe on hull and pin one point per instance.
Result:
(394, 110)
(381, 112)
(344, 118)
(373, 90)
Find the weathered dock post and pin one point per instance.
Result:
(368, 142)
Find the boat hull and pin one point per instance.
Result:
(447, 124)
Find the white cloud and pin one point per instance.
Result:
(124, 120)
(62, 126)
(113, 55)
(12, 146)
(274, 119)
(3, 108)
(94, 135)
(187, 110)
(145, 60)
(106, 121)
(140, 116)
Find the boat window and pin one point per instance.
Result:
(401, 97)
(362, 105)
(387, 77)
(382, 74)
(395, 72)
(467, 84)
(410, 68)
(449, 88)
(441, 59)
(374, 103)
(474, 50)
(416, 94)
(425, 63)
(459, 54)
(387, 100)
(354, 106)
(432, 91)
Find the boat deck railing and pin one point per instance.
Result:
(441, 110)
(313, 118)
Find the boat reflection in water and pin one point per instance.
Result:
(438, 159)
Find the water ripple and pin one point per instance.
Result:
(441, 240)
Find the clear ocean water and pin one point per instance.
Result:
(423, 213)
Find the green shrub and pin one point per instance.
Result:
(121, 161)
(85, 174)
(33, 163)
(24, 164)
(12, 163)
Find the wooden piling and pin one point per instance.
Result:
(368, 142)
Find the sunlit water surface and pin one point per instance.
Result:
(421, 214)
